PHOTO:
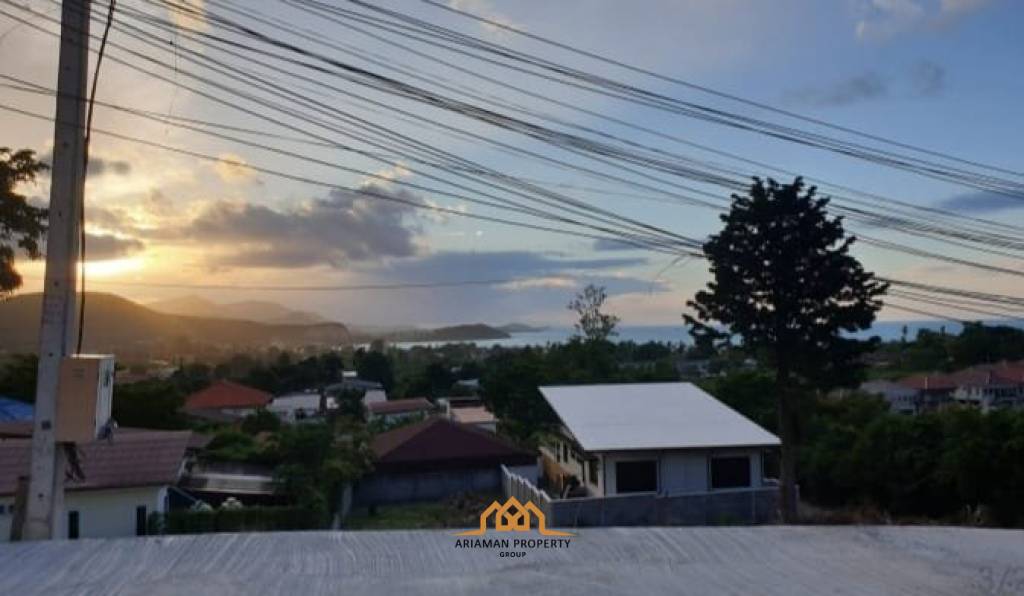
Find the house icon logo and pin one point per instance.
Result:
(513, 516)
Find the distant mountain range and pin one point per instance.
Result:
(113, 323)
(250, 310)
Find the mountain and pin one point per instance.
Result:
(249, 310)
(471, 332)
(114, 324)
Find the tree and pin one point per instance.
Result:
(375, 366)
(785, 283)
(21, 225)
(593, 324)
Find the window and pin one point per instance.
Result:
(636, 476)
(565, 453)
(770, 462)
(72, 525)
(730, 472)
(140, 520)
(592, 471)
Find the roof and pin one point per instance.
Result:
(135, 458)
(768, 560)
(400, 406)
(651, 416)
(929, 382)
(227, 395)
(13, 410)
(474, 415)
(438, 443)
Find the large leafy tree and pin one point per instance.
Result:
(21, 225)
(785, 283)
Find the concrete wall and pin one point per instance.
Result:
(101, 513)
(679, 471)
(384, 487)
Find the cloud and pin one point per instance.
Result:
(103, 247)
(483, 8)
(981, 202)
(459, 266)
(883, 19)
(927, 79)
(232, 169)
(922, 79)
(98, 166)
(855, 89)
(344, 227)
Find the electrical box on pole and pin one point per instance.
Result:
(84, 397)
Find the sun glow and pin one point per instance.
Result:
(114, 267)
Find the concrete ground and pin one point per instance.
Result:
(723, 560)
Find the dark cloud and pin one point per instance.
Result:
(982, 202)
(859, 88)
(98, 166)
(927, 79)
(103, 247)
(456, 266)
(343, 227)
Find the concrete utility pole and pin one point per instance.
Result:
(45, 515)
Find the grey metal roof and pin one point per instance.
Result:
(651, 416)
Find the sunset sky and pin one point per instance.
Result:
(942, 74)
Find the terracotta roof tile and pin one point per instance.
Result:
(135, 458)
(227, 395)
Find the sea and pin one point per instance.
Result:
(675, 334)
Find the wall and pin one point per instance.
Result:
(101, 513)
(679, 471)
(384, 487)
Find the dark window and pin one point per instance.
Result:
(636, 476)
(592, 471)
(565, 452)
(730, 472)
(73, 525)
(770, 464)
(140, 520)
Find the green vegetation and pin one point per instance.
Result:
(462, 511)
(786, 284)
(22, 226)
(245, 519)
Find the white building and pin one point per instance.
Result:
(125, 481)
(297, 407)
(902, 399)
(662, 438)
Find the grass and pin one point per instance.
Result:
(462, 511)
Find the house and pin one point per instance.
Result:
(990, 387)
(435, 458)
(661, 438)
(12, 410)
(303, 406)
(398, 409)
(226, 401)
(934, 390)
(468, 410)
(124, 481)
(901, 399)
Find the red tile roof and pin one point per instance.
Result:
(227, 395)
(136, 458)
(439, 443)
(400, 406)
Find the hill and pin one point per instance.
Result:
(114, 324)
(455, 333)
(249, 310)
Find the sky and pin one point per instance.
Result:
(934, 73)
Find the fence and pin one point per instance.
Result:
(246, 519)
(750, 506)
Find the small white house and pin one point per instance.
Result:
(299, 407)
(125, 480)
(662, 438)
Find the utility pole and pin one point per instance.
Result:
(45, 506)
